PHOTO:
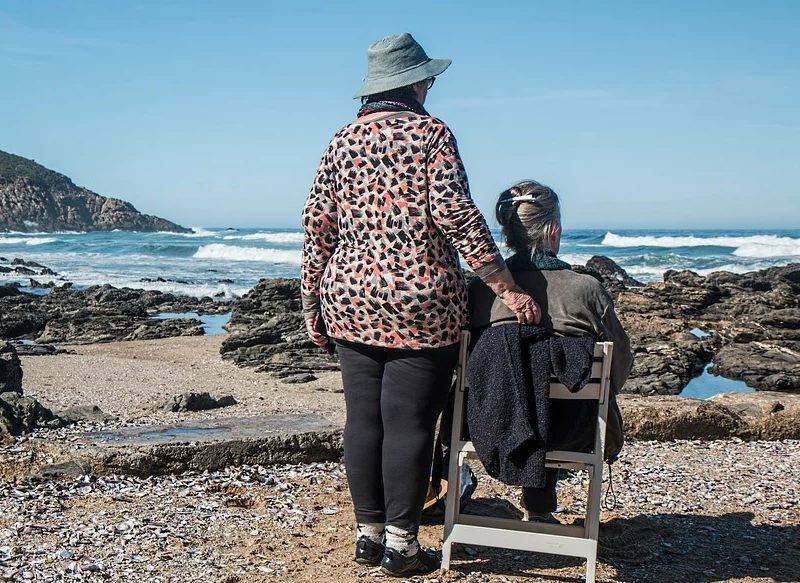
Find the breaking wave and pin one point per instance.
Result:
(233, 253)
(285, 238)
(27, 240)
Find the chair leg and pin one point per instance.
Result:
(591, 566)
(447, 548)
(452, 505)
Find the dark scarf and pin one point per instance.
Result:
(542, 259)
(392, 105)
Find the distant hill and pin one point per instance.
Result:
(35, 198)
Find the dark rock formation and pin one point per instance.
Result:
(267, 331)
(753, 320)
(33, 198)
(197, 402)
(100, 314)
(10, 369)
(35, 349)
(20, 414)
(612, 275)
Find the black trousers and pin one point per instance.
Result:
(543, 499)
(393, 397)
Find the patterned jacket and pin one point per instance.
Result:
(387, 215)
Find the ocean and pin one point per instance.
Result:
(230, 261)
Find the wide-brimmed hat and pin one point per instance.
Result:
(398, 60)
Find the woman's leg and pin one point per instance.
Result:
(542, 500)
(415, 388)
(362, 373)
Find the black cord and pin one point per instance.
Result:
(610, 499)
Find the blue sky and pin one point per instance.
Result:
(639, 114)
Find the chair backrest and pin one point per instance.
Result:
(597, 389)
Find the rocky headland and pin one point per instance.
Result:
(34, 198)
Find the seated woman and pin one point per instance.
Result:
(572, 304)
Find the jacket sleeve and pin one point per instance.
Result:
(453, 210)
(622, 361)
(321, 229)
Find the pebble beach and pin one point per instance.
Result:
(685, 510)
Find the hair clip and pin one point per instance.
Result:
(520, 198)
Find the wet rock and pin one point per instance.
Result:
(100, 314)
(767, 366)
(609, 270)
(267, 331)
(91, 413)
(10, 369)
(23, 262)
(753, 318)
(664, 368)
(197, 402)
(92, 329)
(36, 349)
(152, 329)
(605, 270)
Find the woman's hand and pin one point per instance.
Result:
(312, 327)
(517, 299)
(522, 304)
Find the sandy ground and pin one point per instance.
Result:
(131, 380)
(688, 511)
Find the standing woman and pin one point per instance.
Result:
(387, 215)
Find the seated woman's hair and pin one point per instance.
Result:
(529, 213)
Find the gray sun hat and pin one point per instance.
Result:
(398, 60)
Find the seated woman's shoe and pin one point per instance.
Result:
(422, 562)
(368, 552)
(546, 517)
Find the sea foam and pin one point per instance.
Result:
(285, 238)
(219, 251)
(786, 248)
(27, 240)
(780, 243)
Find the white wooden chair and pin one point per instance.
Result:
(558, 539)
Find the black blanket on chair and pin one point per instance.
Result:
(508, 411)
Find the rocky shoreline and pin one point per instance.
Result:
(748, 325)
(99, 313)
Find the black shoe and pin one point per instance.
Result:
(368, 552)
(422, 562)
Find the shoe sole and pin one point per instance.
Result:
(386, 571)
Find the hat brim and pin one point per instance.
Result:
(430, 68)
